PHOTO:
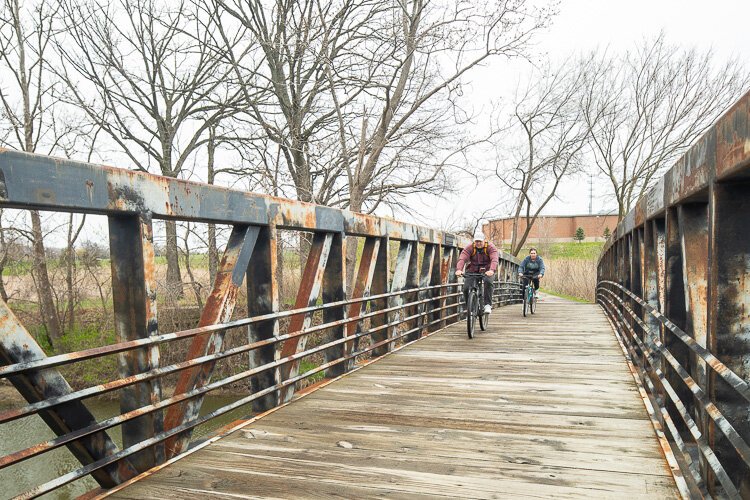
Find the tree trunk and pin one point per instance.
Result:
(174, 278)
(43, 285)
(3, 259)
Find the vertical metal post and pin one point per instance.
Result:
(425, 276)
(693, 223)
(131, 244)
(728, 335)
(436, 278)
(446, 276)
(362, 286)
(404, 262)
(263, 298)
(218, 309)
(307, 296)
(380, 286)
(334, 290)
(675, 311)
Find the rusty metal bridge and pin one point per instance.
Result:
(644, 394)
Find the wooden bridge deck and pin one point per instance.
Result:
(538, 407)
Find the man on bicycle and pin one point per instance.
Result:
(479, 257)
(532, 268)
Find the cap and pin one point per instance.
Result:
(479, 236)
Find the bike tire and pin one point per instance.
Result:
(525, 302)
(532, 303)
(471, 313)
(484, 320)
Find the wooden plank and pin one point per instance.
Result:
(536, 408)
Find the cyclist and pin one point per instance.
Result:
(480, 256)
(532, 268)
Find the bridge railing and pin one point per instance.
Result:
(674, 280)
(395, 300)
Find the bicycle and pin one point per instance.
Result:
(529, 297)
(475, 305)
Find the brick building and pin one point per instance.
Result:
(552, 228)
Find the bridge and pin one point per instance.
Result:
(643, 394)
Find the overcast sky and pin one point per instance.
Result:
(582, 26)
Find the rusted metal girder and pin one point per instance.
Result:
(362, 286)
(447, 275)
(729, 312)
(218, 309)
(334, 290)
(131, 244)
(30, 181)
(308, 294)
(263, 298)
(379, 286)
(425, 278)
(404, 277)
(18, 346)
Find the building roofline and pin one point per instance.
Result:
(559, 216)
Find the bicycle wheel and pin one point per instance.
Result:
(484, 320)
(525, 301)
(532, 302)
(471, 313)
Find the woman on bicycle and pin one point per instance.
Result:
(480, 256)
(532, 268)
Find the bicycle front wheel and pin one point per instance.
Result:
(532, 302)
(471, 313)
(525, 301)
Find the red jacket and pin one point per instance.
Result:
(483, 258)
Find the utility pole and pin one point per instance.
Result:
(591, 193)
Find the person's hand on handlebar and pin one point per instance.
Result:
(459, 272)
(490, 273)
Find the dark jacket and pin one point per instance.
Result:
(527, 266)
(485, 258)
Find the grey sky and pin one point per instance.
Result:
(582, 26)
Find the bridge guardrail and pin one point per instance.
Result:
(383, 311)
(674, 280)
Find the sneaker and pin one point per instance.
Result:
(487, 309)
(536, 294)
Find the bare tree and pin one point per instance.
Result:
(28, 96)
(143, 71)
(412, 123)
(552, 135)
(647, 107)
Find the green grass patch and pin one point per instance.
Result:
(306, 365)
(564, 296)
(585, 250)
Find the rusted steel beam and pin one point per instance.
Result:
(380, 285)
(309, 291)
(425, 276)
(18, 346)
(674, 309)
(729, 314)
(334, 290)
(403, 278)
(131, 244)
(218, 309)
(41, 182)
(436, 278)
(447, 274)
(362, 287)
(693, 223)
(263, 298)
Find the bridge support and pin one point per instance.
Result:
(729, 314)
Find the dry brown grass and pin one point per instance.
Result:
(572, 277)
